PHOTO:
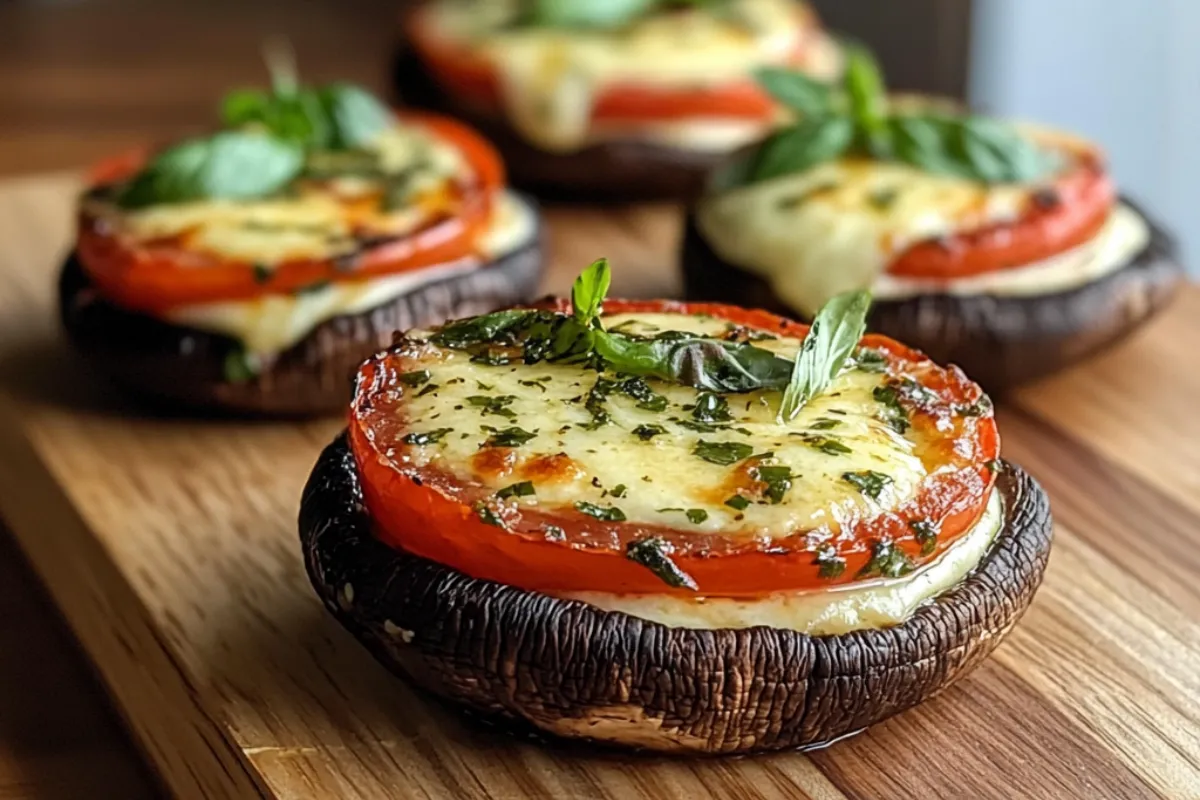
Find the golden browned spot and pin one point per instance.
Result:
(494, 462)
(551, 468)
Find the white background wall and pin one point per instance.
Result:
(1123, 72)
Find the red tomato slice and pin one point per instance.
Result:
(158, 275)
(430, 514)
(1072, 210)
(472, 78)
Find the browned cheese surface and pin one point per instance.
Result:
(170, 546)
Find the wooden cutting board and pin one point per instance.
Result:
(170, 545)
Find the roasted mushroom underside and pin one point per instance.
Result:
(568, 668)
(187, 367)
(1000, 341)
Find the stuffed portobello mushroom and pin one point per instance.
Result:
(621, 100)
(684, 527)
(1004, 249)
(252, 270)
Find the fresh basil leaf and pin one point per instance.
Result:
(972, 148)
(480, 330)
(865, 90)
(356, 116)
(801, 146)
(711, 364)
(298, 117)
(230, 165)
(585, 13)
(589, 291)
(654, 554)
(796, 91)
(830, 341)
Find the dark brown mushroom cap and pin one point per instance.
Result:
(999, 341)
(571, 669)
(186, 367)
(613, 170)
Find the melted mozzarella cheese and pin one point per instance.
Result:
(318, 219)
(1123, 236)
(822, 612)
(272, 323)
(837, 227)
(656, 482)
(550, 77)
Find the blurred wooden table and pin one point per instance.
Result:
(79, 80)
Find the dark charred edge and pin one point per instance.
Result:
(185, 367)
(533, 660)
(615, 171)
(1000, 342)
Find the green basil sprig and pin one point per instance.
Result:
(854, 117)
(267, 136)
(832, 338)
(713, 365)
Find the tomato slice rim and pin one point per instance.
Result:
(1068, 213)
(156, 277)
(421, 513)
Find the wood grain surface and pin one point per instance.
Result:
(170, 546)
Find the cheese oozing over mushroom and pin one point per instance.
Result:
(550, 77)
(837, 227)
(657, 463)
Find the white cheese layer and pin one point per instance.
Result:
(272, 323)
(824, 612)
(837, 227)
(551, 77)
(656, 482)
(1123, 236)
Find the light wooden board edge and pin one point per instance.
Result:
(166, 711)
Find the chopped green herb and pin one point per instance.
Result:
(554, 533)
(700, 427)
(493, 357)
(979, 408)
(619, 490)
(830, 564)
(738, 502)
(239, 366)
(415, 378)
(263, 273)
(655, 555)
(488, 516)
(494, 405)
(894, 414)
(869, 360)
(427, 437)
(311, 288)
(610, 514)
(711, 408)
(723, 453)
(509, 437)
(827, 445)
(487, 387)
(887, 561)
(432, 387)
(648, 432)
(882, 199)
(696, 515)
(825, 424)
(778, 480)
(537, 383)
(522, 489)
(667, 510)
(925, 532)
(868, 481)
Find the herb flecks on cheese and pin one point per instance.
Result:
(745, 474)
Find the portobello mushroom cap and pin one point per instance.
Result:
(184, 366)
(535, 662)
(609, 171)
(999, 341)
